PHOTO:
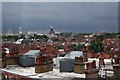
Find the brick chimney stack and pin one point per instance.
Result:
(79, 65)
(91, 71)
(85, 53)
(43, 64)
(101, 61)
(116, 69)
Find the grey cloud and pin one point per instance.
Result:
(74, 17)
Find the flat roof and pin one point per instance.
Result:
(30, 72)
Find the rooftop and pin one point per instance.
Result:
(32, 52)
(30, 72)
(73, 54)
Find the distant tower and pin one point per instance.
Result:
(20, 30)
(51, 30)
(9, 31)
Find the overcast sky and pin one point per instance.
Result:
(64, 17)
(60, 0)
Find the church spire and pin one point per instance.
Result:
(51, 30)
(20, 30)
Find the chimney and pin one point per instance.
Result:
(91, 71)
(116, 69)
(79, 65)
(116, 61)
(101, 61)
(111, 53)
(43, 64)
(85, 53)
(94, 64)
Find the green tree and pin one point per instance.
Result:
(80, 46)
(25, 42)
(60, 46)
(22, 37)
(97, 44)
(10, 37)
(55, 39)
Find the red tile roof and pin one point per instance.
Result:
(106, 56)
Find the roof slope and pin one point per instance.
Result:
(73, 54)
(32, 52)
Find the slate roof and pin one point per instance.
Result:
(32, 52)
(73, 54)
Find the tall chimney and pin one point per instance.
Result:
(85, 53)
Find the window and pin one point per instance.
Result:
(11, 78)
(3, 76)
(18, 78)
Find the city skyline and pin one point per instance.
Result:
(64, 17)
